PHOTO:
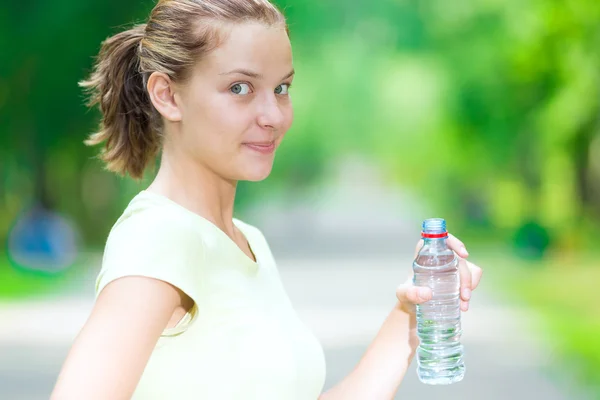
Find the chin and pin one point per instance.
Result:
(256, 173)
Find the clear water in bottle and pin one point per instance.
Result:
(440, 353)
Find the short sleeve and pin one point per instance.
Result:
(159, 247)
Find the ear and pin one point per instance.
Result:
(162, 94)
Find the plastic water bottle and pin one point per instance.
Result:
(440, 353)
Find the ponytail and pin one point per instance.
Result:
(128, 130)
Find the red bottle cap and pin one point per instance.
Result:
(434, 235)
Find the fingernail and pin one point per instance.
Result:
(466, 292)
(466, 306)
(423, 292)
(464, 251)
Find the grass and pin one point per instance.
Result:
(18, 283)
(565, 292)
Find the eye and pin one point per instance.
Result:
(283, 88)
(240, 88)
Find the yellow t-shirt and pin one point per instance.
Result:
(242, 339)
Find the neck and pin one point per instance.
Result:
(197, 188)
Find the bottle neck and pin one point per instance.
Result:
(437, 243)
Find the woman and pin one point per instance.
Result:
(189, 303)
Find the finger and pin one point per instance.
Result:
(476, 273)
(456, 245)
(465, 279)
(464, 305)
(419, 246)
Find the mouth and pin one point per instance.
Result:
(261, 147)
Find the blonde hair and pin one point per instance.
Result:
(178, 33)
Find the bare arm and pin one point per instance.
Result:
(110, 353)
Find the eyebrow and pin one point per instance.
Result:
(252, 74)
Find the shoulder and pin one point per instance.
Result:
(251, 232)
(151, 224)
(255, 236)
(152, 240)
(148, 216)
(247, 227)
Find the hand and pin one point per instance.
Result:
(470, 275)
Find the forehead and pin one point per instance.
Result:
(251, 45)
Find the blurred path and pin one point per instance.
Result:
(344, 302)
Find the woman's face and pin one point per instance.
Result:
(235, 109)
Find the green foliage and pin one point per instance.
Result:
(16, 282)
(487, 109)
(564, 292)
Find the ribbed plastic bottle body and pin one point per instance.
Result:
(440, 353)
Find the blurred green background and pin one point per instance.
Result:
(486, 110)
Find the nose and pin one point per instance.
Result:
(270, 113)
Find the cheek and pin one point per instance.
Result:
(217, 122)
(228, 116)
(288, 117)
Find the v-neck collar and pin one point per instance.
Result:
(239, 224)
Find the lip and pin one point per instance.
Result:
(261, 147)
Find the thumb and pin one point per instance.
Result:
(408, 293)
